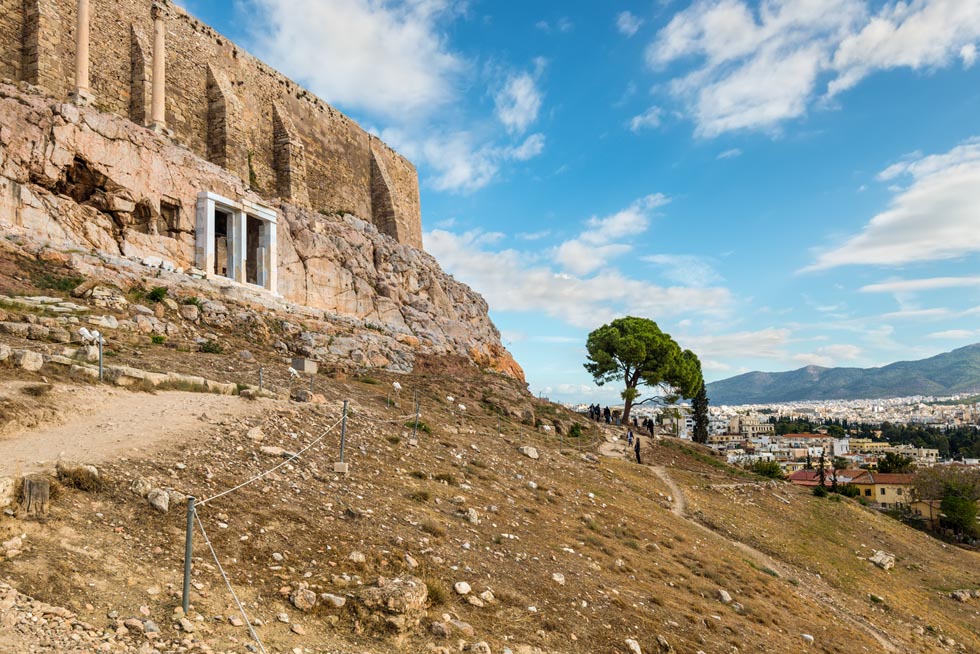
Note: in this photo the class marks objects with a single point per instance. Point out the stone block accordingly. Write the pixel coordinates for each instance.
(305, 366)
(341, 468)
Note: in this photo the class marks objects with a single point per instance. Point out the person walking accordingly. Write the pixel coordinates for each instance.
(607, 414)
(636, 450)
(629, 437)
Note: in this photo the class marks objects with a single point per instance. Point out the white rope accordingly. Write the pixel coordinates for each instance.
(263, 474)
(231, 590)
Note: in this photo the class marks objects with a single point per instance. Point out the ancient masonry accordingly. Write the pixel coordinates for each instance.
(154, 64)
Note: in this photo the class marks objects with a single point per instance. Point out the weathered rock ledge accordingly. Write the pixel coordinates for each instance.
(79, 181)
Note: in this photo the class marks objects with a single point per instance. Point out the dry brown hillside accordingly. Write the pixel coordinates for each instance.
(579, 552)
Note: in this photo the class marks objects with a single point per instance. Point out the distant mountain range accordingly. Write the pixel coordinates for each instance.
(944, 374)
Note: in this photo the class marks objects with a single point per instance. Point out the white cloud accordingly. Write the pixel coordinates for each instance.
(917, 314)
(389, 58)
(563, 25)
(829, 356)
(954, 334)
(519, 100)
(511, 282)
(596, 246)
(532, 146)
(936, 217)
(762, 344)
(648, 119)
(730, 154)
(755, 68)
(968, 53)
(920, 34)
(628, 23)
(461, 163)
(685, 269)
(534, 236)
(917, 285)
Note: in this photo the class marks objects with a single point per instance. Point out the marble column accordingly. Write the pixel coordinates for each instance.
(158, 108)
(82, 93)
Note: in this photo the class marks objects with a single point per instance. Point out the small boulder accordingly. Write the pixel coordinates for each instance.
(159, 499)
(141, 486)
(335, 601)
(357, 557)
(724, 596)
(883, 560)
(303, 599)
(634, 646)
(529, 452)
(558, 578)
(462, 588)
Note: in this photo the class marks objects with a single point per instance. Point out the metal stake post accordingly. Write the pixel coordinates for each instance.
(415, 429)
(260, 378)
(187, 554)
(100, 360)
(311, 383)
(343, 433)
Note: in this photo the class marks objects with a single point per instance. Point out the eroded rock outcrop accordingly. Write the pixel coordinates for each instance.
(76, 179)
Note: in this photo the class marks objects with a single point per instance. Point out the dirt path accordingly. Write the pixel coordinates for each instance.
(824, 595)
(93, 424)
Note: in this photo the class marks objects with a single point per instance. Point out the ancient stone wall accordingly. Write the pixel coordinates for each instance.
(221, 104)
(11, 31)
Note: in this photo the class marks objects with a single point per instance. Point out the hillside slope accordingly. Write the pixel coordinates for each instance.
(578, 554)
(944, 374)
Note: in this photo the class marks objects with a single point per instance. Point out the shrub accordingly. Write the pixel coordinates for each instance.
(420, 496)
(438, 594)
(158, 339)
(769, 469)
(81, 478)
(158, 294)
(575, 431)
(424, 428)
(368, 380)
(446, 477)
(57, 282)
(433, 529)
(37, 390)
(848, 490)
(418, 474)
(212, 347)
(394, 440)
(196, 301)
(820, 491)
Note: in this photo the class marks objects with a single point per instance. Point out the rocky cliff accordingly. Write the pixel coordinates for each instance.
(114, 194)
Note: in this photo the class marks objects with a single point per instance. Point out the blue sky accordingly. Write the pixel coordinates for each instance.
(777, 184)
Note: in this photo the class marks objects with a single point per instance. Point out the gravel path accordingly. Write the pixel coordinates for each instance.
(93, 424)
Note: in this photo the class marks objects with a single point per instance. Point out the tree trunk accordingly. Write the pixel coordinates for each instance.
(627, 407)
(35, 494)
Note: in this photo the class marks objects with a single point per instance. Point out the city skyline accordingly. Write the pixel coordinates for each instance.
(776, 184)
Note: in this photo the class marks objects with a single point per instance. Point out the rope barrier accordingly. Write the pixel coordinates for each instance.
(231, 590)
(271, 470)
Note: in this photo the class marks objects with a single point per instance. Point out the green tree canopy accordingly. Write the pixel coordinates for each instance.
(893, 462)
(635, 351)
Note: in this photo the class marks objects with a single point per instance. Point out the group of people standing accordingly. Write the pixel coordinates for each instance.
(597, 413)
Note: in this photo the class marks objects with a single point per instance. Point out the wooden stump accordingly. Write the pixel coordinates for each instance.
(35, 495)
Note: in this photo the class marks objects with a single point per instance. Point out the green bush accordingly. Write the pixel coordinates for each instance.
(424, 428)
(158, 294)
(770, 469)
(848, 490)
(212, 347)
(196, 301)
(158, 339)
(820, 491)
(575, 431)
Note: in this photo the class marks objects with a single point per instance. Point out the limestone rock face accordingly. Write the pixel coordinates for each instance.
(75, 179)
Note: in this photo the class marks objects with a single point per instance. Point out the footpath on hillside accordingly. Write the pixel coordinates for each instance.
(94, 424)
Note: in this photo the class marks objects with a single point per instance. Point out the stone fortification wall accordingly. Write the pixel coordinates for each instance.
(221, 103)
